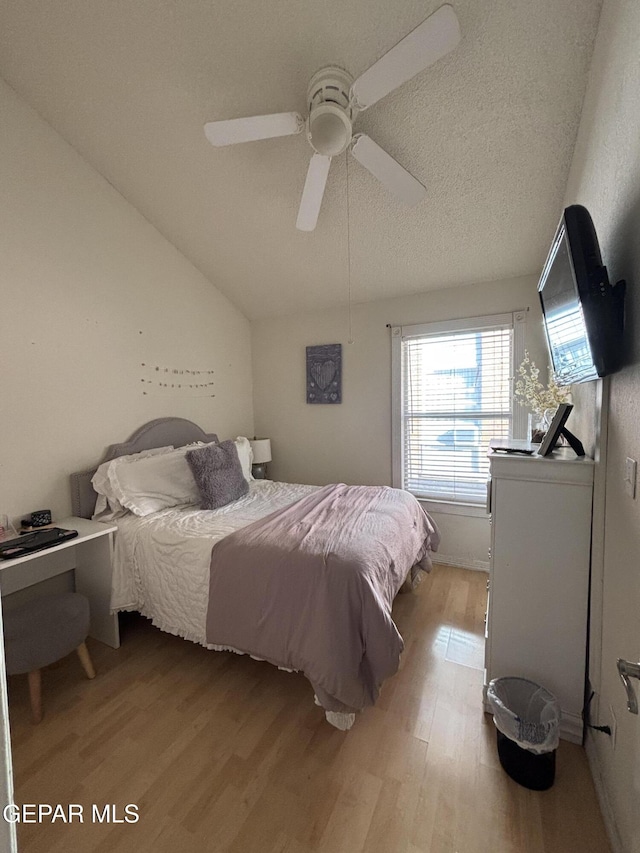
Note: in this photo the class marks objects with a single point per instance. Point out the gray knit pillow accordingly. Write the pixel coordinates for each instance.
(218, 474)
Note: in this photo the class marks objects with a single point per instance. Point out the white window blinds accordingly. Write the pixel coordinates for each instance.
(456, 394)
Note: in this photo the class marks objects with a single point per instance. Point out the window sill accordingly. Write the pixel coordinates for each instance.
(448, 508)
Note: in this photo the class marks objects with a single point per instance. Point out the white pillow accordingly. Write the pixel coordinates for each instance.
(245, 454)
(155, 483)
(107, 504)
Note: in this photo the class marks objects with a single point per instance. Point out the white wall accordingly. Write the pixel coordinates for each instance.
(89, 291)
(605, 177)
(351, 442)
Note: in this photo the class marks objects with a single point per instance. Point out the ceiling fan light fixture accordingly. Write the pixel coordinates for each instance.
(334, 100)
(329, 130)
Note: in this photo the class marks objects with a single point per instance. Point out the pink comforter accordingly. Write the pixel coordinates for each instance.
(310, 587)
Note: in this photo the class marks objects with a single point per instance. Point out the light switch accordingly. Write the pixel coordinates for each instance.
(630, 467)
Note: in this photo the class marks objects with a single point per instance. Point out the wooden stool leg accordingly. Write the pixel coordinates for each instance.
(35, 694)
(85, 660)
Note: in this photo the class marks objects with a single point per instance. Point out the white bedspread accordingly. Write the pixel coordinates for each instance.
(161, 561)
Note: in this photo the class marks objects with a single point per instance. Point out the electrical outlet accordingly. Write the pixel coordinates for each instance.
(614, 727)
(630, 468)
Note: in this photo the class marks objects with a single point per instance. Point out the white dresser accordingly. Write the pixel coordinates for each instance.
(539, 575)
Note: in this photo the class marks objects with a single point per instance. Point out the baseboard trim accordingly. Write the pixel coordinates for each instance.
(571, 727)
(461, 563)
(603, 797)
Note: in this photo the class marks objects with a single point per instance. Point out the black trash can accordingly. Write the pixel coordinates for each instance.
(527, 719)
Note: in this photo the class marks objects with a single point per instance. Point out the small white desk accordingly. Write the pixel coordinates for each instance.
(89, 555)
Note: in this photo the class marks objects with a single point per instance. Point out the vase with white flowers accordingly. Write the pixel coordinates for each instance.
(541, 400)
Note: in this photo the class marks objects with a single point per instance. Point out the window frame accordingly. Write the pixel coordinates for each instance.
(516, 320)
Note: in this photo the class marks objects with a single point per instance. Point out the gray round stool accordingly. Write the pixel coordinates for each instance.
(41, 632)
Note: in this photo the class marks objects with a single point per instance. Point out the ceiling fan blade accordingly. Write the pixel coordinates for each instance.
(235, 130)
(428, 43)
(313, 192)
(387, 170)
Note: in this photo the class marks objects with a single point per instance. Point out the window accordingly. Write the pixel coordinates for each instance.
(452, 393)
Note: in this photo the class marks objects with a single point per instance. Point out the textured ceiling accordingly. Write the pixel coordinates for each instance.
(489, 130)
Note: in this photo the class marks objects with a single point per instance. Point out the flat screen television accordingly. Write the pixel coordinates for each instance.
(583, 314)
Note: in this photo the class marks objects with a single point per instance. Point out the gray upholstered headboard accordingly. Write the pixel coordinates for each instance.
(158, 433)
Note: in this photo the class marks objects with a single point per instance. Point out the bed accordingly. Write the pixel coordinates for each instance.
(301, 576)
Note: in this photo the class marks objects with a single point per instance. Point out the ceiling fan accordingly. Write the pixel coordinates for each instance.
(334, 100)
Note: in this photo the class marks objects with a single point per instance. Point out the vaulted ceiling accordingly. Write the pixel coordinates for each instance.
(489, 130)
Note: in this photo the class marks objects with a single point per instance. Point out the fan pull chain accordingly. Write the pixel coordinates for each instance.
(350, 338)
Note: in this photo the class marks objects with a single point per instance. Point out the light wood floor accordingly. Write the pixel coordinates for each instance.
(224, 753)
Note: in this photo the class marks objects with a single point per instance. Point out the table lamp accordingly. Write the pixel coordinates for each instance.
(261, 448)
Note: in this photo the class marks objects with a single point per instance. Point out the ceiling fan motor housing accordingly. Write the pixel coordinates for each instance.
(330, 122)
